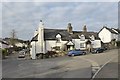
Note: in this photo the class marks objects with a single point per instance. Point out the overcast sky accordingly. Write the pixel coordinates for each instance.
(24, 17)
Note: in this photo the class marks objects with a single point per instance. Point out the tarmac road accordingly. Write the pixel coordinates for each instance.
(59, 67)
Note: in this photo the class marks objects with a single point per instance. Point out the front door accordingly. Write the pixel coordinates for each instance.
(70, 47)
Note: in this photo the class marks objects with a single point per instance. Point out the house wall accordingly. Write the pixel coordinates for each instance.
(77, 43)
(0, 45)
(96, 44)
(19, 44)
(33, 50)
(40, 43)
(105, 35)
(114, 36)
(118, 37)
(52, 43)
(49, 44)
(3, 46)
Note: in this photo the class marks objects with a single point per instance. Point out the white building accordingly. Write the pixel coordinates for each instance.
(3, 44)
(19, 44)
(108, 34)
(61, 39)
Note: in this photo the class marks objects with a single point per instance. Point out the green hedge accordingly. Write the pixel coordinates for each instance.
(4, 53)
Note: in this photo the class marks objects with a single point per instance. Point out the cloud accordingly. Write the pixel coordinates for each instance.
(24, 17)
(59, 1)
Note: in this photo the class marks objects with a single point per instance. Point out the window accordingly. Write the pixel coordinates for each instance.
(82, 45)
(82, 37)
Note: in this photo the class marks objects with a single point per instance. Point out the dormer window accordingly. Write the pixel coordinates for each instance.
(92, 37)
(82, 37)
(58, 38)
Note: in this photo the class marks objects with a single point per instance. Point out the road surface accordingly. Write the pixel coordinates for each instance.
(59, 67)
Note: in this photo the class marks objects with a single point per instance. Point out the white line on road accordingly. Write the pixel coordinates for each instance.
(102, 67)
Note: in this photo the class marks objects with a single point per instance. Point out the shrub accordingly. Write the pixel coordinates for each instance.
(4, 53)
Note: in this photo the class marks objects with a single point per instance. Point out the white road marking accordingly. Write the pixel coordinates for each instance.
(102, 67)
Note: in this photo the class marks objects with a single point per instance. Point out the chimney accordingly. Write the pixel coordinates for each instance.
(84, 28)
(69, 28)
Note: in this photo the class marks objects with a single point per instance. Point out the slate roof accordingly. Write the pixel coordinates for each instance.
(112, 31)
(87, 35)
(50, 34)
(3, 42)
(118, 30)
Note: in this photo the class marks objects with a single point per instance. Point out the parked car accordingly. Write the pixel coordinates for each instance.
(76, 52)
(21, 54)
(104, 48)
(98, 50)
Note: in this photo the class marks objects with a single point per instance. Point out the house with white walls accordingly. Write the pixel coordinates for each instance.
(108, 34)
(62, 39)
(3, 44)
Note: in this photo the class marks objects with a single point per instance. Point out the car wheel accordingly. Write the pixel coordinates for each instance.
(84, 53)
(97, 52)
(69, 55)
(73, 55)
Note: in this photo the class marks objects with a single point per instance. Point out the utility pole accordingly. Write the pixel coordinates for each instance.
(12, 38)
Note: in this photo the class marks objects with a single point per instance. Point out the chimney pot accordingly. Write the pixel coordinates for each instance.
(69, 28)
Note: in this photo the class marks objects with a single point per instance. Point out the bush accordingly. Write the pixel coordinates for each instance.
(4, 53)
(51, 54)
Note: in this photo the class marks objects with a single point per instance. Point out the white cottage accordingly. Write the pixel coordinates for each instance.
(3, 44)
(108, 34)
(62, 39)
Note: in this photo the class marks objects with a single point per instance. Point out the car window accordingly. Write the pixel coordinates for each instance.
(21, 52)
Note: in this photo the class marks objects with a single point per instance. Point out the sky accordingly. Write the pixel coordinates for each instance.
(24, 17)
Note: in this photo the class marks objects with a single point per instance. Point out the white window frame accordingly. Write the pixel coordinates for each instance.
(82, 45)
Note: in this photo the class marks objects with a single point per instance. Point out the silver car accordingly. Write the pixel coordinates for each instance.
(21, 54)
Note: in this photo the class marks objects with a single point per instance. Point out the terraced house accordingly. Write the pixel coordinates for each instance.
(109, 36)
(62, 39)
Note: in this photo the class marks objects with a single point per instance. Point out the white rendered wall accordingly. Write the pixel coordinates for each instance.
(32, 50)
(77, 43)
(52, 43)
(114, 36)
(105, 36)
(3, 45)
(41, 42)
(96, 44)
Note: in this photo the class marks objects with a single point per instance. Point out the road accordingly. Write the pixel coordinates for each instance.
(109, 70)
(59, 67)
